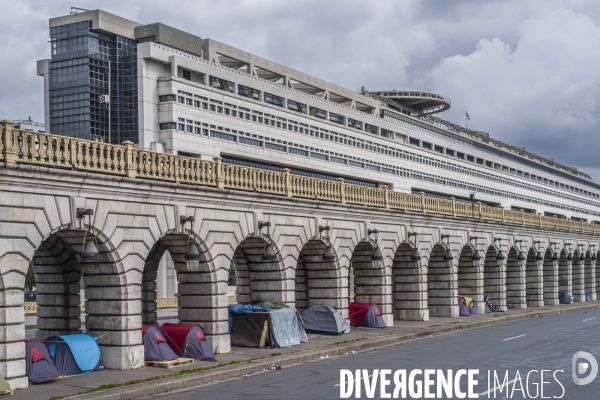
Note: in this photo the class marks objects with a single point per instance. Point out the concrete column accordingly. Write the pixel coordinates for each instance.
(442, 284)
(149, 295)
(565, 277)
(550, 279)
(470, 277)
(409, 287)
(578, 279)
(301, 287)
(534, 280)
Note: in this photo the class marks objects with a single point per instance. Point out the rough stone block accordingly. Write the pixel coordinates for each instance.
(128, 357)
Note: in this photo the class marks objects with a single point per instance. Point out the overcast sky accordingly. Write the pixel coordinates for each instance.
(528, 72)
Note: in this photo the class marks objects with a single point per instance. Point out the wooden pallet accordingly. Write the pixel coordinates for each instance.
(170, 364)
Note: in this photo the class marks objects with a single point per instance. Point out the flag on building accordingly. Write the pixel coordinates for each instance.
(467, 114)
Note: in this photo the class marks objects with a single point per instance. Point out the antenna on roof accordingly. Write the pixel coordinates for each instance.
(77, 9)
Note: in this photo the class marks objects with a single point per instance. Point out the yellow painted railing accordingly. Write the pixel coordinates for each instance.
(31, 307)
(18, 146)
(167, 302)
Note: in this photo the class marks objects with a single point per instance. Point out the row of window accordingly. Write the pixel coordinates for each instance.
(260, 117)
(246, 138)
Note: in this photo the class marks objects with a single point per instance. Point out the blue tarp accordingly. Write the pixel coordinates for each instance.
(284, 324)
(84, 348)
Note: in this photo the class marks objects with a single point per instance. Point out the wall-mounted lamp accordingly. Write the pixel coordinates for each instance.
(521, 256)
(570, 256)
(415, 256)
(192, 256)
(448, 256)
(539, 256)
(476, 256)
(593, 252)
(268, 253)
(376, 257)
(328, 254)
(89, 249)
(500, 256)
(555, 256)
(581, 253)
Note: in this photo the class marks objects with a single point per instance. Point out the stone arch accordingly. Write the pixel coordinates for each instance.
(494, 277)
(590, 275)
(515, 280)
(266, 280)
(565, 279)
(442, 284)
(370, 284)
(534, 280)
(550, 268)
(318, 281)
(409, 285)
(578, 274)
(470, 276)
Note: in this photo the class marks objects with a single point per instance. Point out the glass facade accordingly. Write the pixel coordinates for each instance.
(82, 62)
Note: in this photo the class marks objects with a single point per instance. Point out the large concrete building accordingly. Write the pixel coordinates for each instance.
(174, 92)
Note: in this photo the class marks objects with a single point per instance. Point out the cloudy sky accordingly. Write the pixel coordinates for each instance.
(528, 72)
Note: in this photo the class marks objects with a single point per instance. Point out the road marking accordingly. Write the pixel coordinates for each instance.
(511, 338)
(352, 380)
(589, 319)
(491, 390)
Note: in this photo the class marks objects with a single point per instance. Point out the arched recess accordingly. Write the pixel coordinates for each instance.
(470, 276)
(318, 281)
(371, 285)
(257, 279)
(534, 270)
(565, 278)
(442, 284)
(202, 293)
(494, 277)
(409, 286)
(590, 275)
(515, 280)
(578, 274)
(550, 277)
(112, 291)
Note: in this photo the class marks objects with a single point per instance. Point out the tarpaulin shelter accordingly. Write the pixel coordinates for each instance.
(324, 320)
(187, 340)
(4, 386)
(39, 366)
(250, 330)
(365, 315)
(74, 354)
(463, 311)
(155, 344)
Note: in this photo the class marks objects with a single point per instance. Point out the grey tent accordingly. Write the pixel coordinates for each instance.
(564, 297)
(463, 311)
(365, 315)
(324, 320)
(39, 366)
(155, 344)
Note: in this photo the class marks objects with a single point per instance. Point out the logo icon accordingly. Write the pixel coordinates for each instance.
(580, 367)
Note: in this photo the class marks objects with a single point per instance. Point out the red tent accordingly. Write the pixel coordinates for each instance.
(187, 340)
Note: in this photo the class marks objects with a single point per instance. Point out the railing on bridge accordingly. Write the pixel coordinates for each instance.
(25, 147)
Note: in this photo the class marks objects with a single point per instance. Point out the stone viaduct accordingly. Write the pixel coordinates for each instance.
(138, 197)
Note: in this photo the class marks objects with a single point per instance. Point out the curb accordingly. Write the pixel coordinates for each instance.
(159, 386)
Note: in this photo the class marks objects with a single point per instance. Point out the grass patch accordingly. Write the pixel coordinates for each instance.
(276, 354)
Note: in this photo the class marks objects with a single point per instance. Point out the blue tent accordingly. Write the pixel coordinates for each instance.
(75, 354)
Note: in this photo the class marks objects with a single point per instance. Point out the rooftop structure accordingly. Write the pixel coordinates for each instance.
(175, 92)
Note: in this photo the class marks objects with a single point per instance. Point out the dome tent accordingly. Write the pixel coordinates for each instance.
(365, 315)
(74, 354)
(155, 344)
(39, 365)
(324, 320)
(187, 340)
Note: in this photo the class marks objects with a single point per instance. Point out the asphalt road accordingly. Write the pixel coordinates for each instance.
(547, 343)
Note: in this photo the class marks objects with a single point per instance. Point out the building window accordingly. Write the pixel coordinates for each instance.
(182, 127)
(275, 100)
(439, 149)
(316, 112)
(414, 142)
(167, 125)
(248, 92)
(223, 136)
(168, 97)
(187, 74)
(352, 123)
(372, 129)
(427, 145)
(299, 107)
(221, 84)
(338, 119)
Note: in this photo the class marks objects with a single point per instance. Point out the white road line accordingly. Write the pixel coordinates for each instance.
(352, 380)
(511, 338)
(589, 319)
(492, 390)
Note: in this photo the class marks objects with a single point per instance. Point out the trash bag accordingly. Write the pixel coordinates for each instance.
(492, 307)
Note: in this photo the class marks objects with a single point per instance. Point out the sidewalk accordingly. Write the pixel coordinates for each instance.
(317, 346)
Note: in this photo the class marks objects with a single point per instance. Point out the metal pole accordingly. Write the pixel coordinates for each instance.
(109, 99)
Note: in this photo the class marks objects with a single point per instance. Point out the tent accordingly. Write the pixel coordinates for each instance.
(4, 386)
(463, 311)
(187, 340)
(365, 315)
(155, 344)
(38, 363)
(250, 330)
(324, 320)
(74, 354)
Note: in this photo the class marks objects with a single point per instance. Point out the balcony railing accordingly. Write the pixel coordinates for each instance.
(24, 147)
